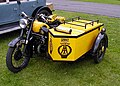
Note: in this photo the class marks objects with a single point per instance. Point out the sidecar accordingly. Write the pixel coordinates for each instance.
(71, 40)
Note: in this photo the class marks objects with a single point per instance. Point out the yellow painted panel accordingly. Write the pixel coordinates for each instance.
(85, 43)
(55, 45)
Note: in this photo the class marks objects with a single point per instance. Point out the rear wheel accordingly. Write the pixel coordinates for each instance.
(43, 11)
(16, 59)
(100, 52)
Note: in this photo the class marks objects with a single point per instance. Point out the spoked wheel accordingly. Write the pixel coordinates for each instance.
(100, 52)
(16, 59)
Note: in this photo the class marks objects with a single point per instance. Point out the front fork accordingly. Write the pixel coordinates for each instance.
(26, 39)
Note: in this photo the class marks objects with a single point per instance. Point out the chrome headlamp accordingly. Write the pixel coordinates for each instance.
(23, 23)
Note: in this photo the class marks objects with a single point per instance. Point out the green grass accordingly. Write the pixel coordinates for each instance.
(44, 72)
(102, 1)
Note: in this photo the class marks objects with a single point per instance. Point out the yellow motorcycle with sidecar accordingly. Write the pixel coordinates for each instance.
(62, 40)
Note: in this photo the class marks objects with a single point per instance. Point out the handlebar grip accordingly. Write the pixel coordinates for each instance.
(43, 17)
(23, 14)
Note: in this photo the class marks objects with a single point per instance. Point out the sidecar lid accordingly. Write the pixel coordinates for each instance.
(78, 27)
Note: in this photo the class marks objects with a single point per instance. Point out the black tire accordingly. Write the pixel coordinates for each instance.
(15, 54)
(45, 12)
(100, 52)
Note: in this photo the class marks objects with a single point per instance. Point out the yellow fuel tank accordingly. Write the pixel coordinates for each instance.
(38, 25)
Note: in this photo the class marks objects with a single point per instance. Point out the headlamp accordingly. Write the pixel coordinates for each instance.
(23, 23)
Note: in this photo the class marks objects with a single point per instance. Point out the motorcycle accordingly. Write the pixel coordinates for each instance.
(61, 40)
(33, 38)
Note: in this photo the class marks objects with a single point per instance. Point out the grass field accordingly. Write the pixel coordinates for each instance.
(44, 72)
(103, 1)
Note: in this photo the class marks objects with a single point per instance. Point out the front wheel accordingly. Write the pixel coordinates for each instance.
(16, 59)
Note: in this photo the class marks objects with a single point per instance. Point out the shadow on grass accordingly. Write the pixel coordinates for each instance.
(61, 65)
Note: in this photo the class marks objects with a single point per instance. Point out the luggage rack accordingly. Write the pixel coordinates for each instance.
(78, 18)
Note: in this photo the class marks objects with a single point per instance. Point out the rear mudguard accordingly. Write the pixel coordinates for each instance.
(45, 8)
(14, 41)
(100, 36)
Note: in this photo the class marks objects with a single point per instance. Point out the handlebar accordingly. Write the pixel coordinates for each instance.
(43, 17)
(23, 14)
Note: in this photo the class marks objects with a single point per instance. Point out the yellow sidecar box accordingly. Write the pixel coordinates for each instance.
(71, 40)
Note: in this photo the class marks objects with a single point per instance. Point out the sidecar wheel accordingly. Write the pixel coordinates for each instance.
(15, 61)
(100, 52)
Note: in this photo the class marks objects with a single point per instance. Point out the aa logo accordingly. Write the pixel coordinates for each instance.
(64, 50)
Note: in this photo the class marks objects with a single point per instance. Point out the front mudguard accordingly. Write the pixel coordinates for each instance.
(28, 44)
(101, 35)
(14, 42)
